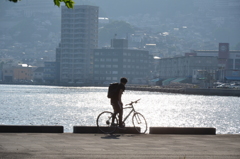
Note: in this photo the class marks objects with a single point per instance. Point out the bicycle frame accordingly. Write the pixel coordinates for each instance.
(139, 122)
(133, 110)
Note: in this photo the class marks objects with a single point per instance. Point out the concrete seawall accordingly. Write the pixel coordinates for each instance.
(182, 130)
(196, 91)
(94, 130)
(30, 129)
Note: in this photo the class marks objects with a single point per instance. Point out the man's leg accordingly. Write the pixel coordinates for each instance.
(120, 111)
(114, 117)
(114, 112)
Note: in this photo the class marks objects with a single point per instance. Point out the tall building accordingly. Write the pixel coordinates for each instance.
(79, 36)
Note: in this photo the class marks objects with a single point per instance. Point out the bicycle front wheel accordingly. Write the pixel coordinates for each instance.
(139, 123)
(104, 122)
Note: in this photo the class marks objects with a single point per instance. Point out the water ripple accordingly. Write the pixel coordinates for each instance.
(70, 106)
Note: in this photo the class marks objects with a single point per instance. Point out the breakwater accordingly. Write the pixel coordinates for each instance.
(94, 129)
(196, 91)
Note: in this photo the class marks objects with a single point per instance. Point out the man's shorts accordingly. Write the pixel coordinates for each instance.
(117, 106)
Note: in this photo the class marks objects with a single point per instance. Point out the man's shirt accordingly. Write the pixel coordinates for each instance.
(115, 97)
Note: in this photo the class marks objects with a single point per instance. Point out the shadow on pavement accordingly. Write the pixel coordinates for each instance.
(111, 136)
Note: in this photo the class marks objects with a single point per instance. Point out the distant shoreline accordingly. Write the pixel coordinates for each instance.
(193, 91)
(190, 91)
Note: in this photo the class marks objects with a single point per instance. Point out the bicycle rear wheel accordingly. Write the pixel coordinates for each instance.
(139, 123)
(104, 122)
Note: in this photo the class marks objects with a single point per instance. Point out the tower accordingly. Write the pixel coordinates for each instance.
(79, 36)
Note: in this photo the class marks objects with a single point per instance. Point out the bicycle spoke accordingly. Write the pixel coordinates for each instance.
(139, 123)
(104, 122)
(105, 125)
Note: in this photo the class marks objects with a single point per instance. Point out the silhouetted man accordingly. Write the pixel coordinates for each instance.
(116, 101)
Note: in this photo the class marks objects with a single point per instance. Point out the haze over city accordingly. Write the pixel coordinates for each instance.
(191, 24)
(30, 30)
(175, 65)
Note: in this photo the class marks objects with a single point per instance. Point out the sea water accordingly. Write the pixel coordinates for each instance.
(80, 106)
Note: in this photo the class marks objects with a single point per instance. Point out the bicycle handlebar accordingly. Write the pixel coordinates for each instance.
(133, 102)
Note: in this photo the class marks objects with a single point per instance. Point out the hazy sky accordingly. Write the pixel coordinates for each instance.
(162, 9)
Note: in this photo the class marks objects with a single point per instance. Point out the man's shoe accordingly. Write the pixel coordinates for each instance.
(121, 127)
(113, 125)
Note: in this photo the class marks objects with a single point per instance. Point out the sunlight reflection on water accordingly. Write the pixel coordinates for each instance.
(70, 106)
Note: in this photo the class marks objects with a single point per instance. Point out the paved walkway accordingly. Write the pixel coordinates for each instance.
(69, 145)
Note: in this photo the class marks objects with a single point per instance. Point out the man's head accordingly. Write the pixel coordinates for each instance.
(123, 80)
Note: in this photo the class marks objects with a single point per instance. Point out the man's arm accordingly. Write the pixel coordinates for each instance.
(120, 96)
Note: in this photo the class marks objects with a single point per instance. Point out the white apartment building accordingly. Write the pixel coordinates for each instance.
(79, 36)
(184, 67)
(222, 64)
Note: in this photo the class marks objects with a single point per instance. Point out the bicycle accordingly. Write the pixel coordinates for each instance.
(105, 125)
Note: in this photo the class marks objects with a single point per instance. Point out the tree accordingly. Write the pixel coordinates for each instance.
(68, 3)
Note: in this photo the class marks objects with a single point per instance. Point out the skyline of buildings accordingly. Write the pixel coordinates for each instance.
(79, 60)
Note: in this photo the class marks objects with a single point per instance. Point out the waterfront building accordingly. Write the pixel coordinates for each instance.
(79, 36)
(17, 73)
(38, 75)
(7, 73)
(184, 67)
(0, 75)
(51, 72)
(22, 73)
(200, 65)
(228, 62)
(110, 64)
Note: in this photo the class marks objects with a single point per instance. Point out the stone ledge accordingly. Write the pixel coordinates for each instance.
(30, 129)
(94, 129)
(183, 130)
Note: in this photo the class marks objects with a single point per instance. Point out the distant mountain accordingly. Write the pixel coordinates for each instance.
(117, 8)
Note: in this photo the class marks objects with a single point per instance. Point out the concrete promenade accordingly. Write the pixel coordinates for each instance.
(73, 145)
